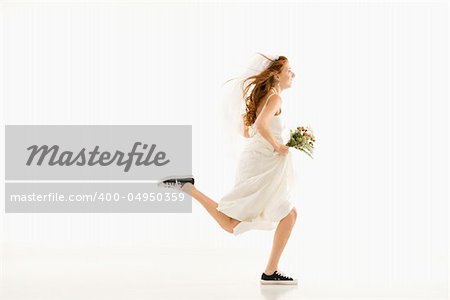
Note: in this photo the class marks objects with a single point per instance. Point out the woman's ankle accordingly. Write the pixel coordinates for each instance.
(269, 271)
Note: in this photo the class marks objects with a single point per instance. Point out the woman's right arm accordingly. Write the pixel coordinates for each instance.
(262, 122)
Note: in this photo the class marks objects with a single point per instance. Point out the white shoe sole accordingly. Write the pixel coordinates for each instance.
(279, 282)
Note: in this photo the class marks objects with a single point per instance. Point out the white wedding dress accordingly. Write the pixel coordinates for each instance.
(261, 195)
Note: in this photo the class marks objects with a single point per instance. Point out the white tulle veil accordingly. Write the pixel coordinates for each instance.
(233, 103)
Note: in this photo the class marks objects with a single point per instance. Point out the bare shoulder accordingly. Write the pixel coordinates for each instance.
(272, 106)
(274, 100)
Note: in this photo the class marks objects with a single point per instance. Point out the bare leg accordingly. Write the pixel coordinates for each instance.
(280, 239)
(224, 221)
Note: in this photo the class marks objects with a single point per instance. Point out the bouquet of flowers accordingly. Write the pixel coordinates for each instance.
(302, 138)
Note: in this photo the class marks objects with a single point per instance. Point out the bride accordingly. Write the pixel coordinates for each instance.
(261, 196)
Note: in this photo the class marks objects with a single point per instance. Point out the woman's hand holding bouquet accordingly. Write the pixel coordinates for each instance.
(302, 138)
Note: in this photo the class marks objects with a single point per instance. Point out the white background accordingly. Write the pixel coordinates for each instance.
(371, 80)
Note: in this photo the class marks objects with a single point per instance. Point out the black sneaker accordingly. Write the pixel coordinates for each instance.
(277, 278)
(181, 183)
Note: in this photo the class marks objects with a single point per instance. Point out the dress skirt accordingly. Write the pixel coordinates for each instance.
(262, 192)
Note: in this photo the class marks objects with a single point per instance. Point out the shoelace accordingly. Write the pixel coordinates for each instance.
(282, 274)
(173, 184)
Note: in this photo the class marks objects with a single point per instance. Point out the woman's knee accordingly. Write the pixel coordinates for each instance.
(293, 214)
(232, 225)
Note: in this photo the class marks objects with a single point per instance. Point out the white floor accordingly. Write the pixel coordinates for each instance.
(147, 273)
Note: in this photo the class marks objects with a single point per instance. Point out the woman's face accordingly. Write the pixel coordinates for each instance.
(286, 76)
